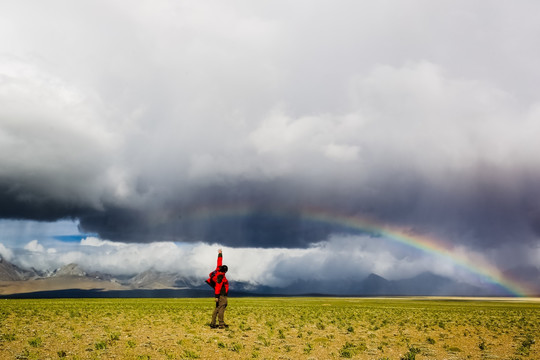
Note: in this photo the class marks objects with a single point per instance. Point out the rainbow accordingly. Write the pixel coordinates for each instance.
(427, 244)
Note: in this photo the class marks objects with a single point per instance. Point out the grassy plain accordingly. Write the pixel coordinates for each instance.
(270, 328)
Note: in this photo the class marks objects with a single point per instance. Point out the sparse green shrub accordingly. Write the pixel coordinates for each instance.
(24, 355)
(35, 342)
(349, 350)
(411, 354)
(482, 345)
(100, 345)
(528, 342)
(8, 337)
(525, 347)
(190, 354)
(270, 324)
(263, 340)
(236, 347)
(244, 327)
(442, 325)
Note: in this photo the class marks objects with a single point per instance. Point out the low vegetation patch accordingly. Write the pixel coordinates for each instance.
(270, 328)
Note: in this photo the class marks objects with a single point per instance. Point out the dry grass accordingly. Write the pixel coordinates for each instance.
(270, 328)
(56, 283)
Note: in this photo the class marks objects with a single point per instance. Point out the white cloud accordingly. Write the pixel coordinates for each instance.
(34, 246)
(54, 130)
(94, 241)
(337, 258)
(438, 122)
(247, 92)
(6, 252)
(339, 152)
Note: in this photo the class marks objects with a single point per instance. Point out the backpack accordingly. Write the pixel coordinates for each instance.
(210, 281)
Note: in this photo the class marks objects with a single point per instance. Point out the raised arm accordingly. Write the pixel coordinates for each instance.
(219, 259)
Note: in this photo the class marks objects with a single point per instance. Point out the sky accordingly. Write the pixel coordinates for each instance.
(131, 132)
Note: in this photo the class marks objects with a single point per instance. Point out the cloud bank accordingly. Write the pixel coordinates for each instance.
(358, 255)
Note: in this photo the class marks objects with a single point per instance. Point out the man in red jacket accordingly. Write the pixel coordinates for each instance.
(221, 291)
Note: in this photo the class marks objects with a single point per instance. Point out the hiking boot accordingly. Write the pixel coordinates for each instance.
(223, 326)
(213, 326)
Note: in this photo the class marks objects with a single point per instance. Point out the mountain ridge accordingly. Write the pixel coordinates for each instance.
(15, 280)
(11, 272)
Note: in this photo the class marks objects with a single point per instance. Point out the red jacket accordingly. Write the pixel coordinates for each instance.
(222, 284)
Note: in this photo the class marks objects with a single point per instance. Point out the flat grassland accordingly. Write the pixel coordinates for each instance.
(270, 328)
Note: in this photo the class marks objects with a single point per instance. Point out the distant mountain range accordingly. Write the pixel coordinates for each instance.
(72, 281)
(11, 272)
(425, 284)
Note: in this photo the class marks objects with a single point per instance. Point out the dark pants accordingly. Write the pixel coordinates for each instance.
(219, 311)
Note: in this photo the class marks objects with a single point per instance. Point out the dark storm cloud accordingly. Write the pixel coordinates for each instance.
(479, 211)
(273, 218)
(386, 111)
(257, 229)
(484, 207)
(16, 205)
